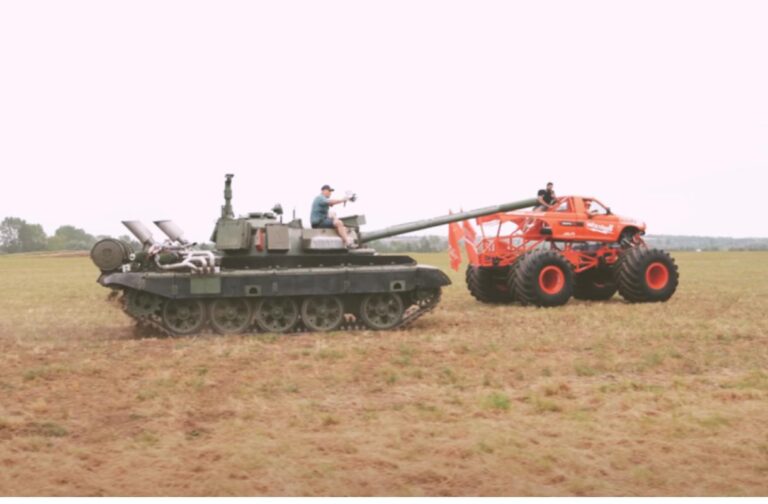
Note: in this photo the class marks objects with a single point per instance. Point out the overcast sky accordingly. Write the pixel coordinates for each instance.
(136, 110)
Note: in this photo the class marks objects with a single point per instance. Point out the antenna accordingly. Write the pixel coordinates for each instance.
(226, 210)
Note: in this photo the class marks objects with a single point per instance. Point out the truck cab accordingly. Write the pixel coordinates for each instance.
(581, 218)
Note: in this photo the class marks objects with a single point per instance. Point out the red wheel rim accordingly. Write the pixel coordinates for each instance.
(551, 280)
(657, 275)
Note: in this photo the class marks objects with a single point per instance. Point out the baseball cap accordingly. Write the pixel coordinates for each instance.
(327, 187)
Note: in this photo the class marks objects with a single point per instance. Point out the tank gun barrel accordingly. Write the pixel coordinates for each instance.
(445, 219)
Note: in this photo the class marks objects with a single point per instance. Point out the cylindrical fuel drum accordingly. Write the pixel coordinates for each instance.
(109, 254)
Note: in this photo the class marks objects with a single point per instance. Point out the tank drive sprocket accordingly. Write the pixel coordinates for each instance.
(141, 304)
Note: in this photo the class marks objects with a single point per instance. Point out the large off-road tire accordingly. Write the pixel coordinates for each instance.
(646, 275)
(511, 276)
(543, 278)
(487, 284)
(596, 284)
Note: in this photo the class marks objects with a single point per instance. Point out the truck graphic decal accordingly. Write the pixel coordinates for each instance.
(600, 228)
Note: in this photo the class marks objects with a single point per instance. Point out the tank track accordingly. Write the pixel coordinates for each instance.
(153, 322)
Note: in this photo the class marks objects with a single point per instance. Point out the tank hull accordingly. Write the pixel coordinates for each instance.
(337, 280)
(318, 298)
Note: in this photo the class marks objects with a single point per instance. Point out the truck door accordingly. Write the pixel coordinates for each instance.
(599, 224)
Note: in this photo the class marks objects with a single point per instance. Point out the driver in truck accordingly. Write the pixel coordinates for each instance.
(320, 217)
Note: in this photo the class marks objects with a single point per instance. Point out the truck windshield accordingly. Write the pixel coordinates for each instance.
(595, 208)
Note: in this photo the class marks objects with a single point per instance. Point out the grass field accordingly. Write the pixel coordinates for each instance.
(589, 399)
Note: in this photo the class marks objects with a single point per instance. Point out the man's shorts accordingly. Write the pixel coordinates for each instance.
(326, 223)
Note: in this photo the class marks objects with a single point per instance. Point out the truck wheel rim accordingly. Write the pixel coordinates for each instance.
(657, 276)
(551, 280)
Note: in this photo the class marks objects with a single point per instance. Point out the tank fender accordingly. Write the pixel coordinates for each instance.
(131, 280)
(428, 277)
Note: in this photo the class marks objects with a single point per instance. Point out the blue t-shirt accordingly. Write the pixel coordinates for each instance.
(319, 209)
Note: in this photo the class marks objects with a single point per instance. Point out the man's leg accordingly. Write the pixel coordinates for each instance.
(342, 231)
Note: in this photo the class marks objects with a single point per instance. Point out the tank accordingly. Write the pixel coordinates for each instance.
(267, 275)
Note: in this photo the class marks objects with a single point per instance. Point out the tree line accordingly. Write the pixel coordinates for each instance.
(401, 244)
(18, 235)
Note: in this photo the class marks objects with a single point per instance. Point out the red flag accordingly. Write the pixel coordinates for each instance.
(470, 242)
(454, 252)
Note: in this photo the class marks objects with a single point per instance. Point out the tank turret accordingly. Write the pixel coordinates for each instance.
(263, 233)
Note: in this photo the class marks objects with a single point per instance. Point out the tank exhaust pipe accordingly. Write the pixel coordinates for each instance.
(172, 231)
(141, 232)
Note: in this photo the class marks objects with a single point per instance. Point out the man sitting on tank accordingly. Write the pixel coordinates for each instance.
(320, 217)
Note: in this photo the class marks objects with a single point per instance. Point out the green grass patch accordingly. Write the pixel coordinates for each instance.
(329, 354)
(146, 438)
(497, 401)
(713, 421)
(583, 369)
(404, 357)
(541, 405)
(47, 429)
(757, 380)
(44, 373)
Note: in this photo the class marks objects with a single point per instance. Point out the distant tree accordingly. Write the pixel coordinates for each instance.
(135, 245)
(70, 238)
(32, 238)
(9, 234)
(16, 235)
(399, 245)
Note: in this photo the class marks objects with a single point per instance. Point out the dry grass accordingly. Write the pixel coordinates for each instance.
(589, 399)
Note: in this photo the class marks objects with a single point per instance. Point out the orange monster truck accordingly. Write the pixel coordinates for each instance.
(576, 247)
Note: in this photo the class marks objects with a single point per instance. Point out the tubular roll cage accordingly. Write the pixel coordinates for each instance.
(502, 249)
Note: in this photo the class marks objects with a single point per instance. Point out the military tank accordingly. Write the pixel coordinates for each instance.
(267, 275)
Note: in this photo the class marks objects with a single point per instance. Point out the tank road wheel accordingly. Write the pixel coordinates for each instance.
(142, 304)
(646, 275)
(322, 313)
(276, 314)
(596, 284)
(543, 278)
(484, 284)
(382, 311)
(230, 316)
(184, 316)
